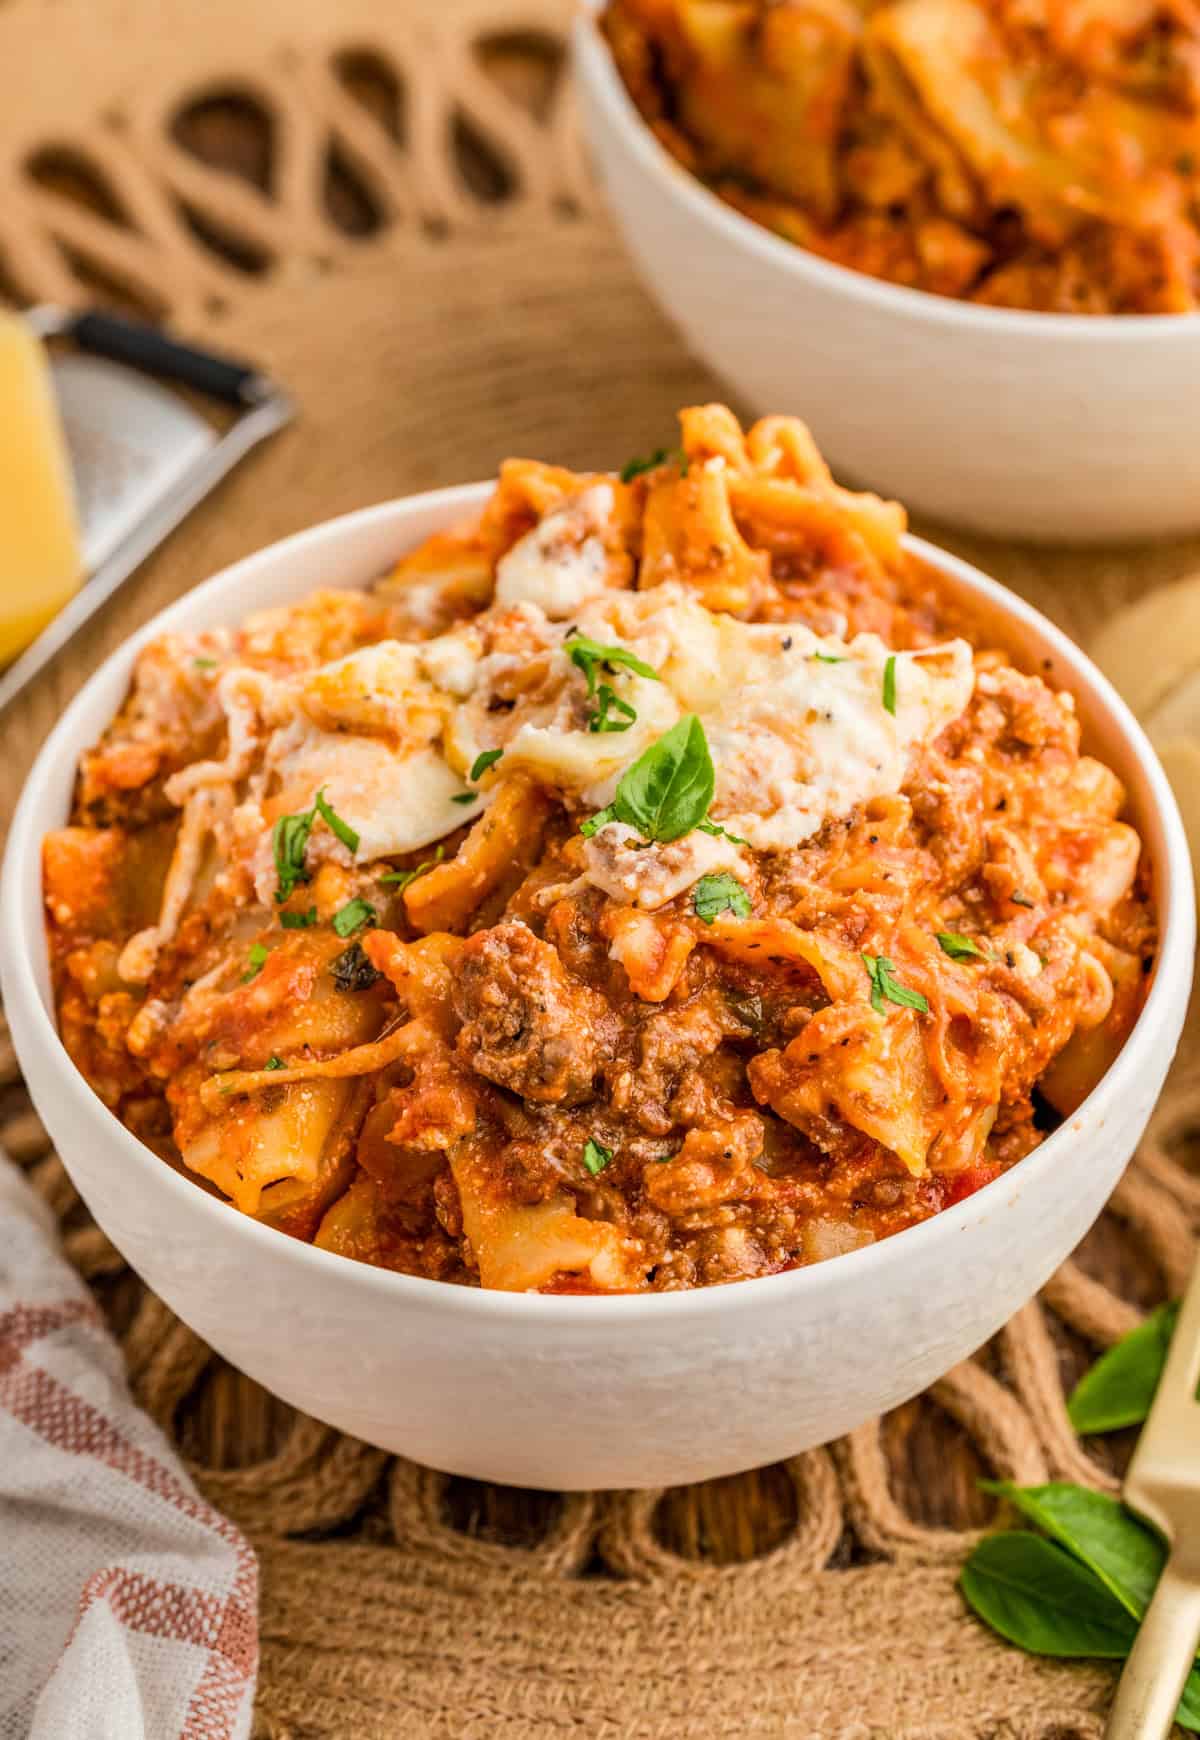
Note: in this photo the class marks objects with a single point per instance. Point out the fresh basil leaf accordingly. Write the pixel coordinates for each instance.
(485, 759)
(355, 915)
(959, 947)
(298, 920)
(352, 971)
(289, 842)
(1039, 1597)
(595, 1158)
(668, 789)
(400, 879)
(587, 655)
(343, 830)
(1118, 1390)
(889, 685)
(713, 895)
(257, 958)
(883, 985)
(1125, 1555)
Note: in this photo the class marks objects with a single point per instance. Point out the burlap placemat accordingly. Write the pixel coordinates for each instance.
(387, 207)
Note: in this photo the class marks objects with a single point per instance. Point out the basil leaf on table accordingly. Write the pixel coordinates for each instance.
(1188, 1713)
(1098, 1530)
(1038, 1596)
(1119, 1388)
(1016, 1582)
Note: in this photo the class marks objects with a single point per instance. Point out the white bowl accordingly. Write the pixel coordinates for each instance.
(1054, 427)
(569, 1392)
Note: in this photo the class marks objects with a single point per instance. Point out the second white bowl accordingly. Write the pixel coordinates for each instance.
(1058, 428)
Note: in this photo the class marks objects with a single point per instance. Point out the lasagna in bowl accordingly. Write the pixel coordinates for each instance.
(1007, 152)
(660, 881)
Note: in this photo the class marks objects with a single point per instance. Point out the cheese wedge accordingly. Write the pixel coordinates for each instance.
(40, 562)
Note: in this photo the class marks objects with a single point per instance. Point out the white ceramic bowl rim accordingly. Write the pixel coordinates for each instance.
(1175, 909)
(598, 65)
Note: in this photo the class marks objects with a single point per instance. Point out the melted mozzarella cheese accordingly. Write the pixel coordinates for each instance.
(562, 561)
(796, 723)
(396, 801)
(802, 739)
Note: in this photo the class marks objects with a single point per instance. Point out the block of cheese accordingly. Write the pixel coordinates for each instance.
(40, 561)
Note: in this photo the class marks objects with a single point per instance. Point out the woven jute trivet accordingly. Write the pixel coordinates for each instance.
(387, 207)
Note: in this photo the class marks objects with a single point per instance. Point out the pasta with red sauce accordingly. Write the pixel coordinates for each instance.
(652, 884)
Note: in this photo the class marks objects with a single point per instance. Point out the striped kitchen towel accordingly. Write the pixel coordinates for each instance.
(128, 1606)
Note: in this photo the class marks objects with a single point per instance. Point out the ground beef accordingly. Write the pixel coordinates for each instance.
(527, 1026)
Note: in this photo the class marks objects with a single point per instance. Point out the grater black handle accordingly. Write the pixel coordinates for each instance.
(144, 347)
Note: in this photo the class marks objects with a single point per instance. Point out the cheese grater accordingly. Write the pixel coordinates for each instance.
(142, 455)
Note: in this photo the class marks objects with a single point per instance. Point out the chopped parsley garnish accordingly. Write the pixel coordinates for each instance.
(609, 703)
(715, 828)
(714, 895)
(883, 985)
(889, 685)
(298, 920)
(257, 959)
(590, 656)
(485, 759)
(600, 820)
(595, 1158)
(635, 467)
(357, 914)
(587, 654)
(667, 791)
(464, 797)
(1019, 899)
(959, 947)
(352, 971)
(830, 659)
(274, 1062)
(289, 840)
(343, 830)
(401, 878)
(205, 664)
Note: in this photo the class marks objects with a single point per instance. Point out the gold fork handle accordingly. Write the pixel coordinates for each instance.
(1159, 1662)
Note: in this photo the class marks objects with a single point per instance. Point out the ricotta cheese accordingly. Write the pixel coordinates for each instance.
(562, 561)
